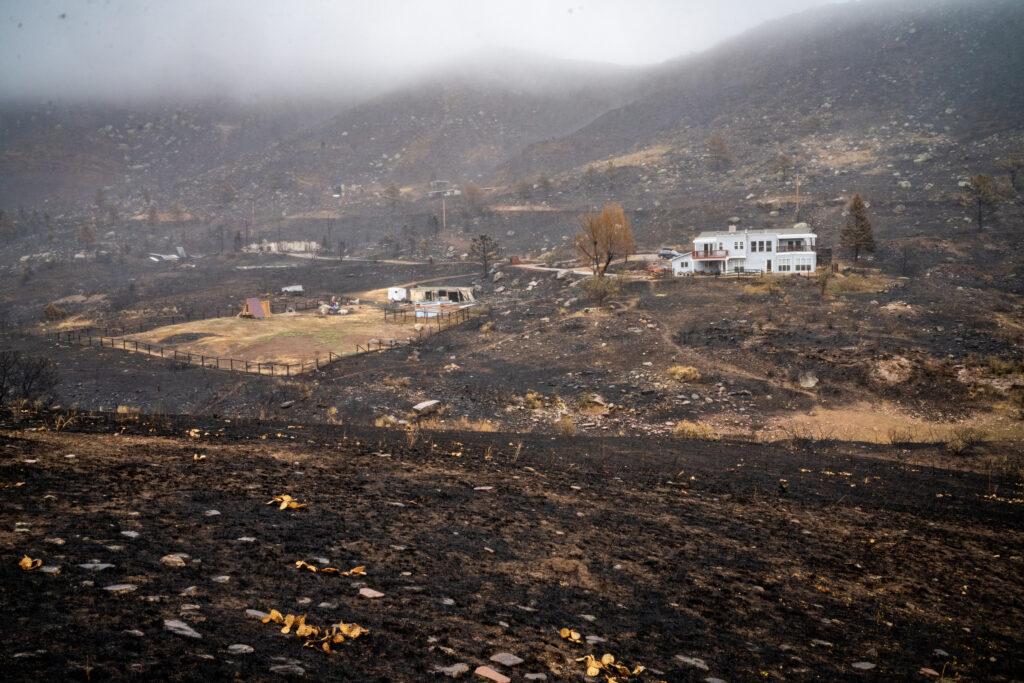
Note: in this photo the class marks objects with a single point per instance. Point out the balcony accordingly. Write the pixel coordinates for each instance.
(787, 248)
(710, 255)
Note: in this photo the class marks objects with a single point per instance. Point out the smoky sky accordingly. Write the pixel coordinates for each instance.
(130, 50)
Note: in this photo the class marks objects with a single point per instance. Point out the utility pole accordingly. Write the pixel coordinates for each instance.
(798, 196)
(444, 216)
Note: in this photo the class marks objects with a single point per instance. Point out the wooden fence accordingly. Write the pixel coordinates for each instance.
(91, 338)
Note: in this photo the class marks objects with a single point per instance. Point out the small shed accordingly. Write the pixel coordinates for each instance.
(255, 307)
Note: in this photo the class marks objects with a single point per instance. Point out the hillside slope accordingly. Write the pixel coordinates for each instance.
(950, 66)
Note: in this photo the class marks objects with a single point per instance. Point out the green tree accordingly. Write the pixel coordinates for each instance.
(857, 235)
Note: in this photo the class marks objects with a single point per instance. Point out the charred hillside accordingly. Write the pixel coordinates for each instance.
(953, 66)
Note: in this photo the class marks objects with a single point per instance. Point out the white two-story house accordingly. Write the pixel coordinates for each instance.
(784, 251)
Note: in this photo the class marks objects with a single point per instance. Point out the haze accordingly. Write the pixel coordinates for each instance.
(130, 51)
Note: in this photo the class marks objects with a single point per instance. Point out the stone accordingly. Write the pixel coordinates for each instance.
(180, 628)
(130, 534)
(536, 677)
(808, 380)
(211, 513)
(174, 560)
(370, 593)
(453, 671)
(255, 614)
(119, 588)
(498, 276)
(246, 539)
(96, 566)
(288, 670)
(426, 407)
(696, 662)
(507, 659)
(50, 569)
(221, 579)
(491, 675)
(820, 643)
(133, 632)
(447, 602)
(240, 649)
(863, 666)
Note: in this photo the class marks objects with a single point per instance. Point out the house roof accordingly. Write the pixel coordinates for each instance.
(789, 232)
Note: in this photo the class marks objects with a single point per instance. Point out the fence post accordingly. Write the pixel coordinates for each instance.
(287, 370)
(231, 362)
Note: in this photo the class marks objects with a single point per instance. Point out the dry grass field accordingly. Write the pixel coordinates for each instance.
(283, 338)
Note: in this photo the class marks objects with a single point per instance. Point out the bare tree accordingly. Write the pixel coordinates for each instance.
(473, 195)
(36, 378)
(1013, 164)
(392, 194)
(484, 248)
(857, 235)
(719, 151)
(983, 194)
(603, 237)
(8, 373)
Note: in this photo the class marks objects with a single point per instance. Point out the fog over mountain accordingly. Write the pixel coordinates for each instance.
(255, 49)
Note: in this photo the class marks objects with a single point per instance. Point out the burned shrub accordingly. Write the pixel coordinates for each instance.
(26, 379)
(54, 312)
(600, 290)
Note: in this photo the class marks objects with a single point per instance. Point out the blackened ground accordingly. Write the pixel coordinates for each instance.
(670, 548)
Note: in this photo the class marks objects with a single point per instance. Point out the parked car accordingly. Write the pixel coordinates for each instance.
(667, 253)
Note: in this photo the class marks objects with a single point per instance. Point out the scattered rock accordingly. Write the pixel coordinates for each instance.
(370, 593)
(134, 632)
(507, 659)
(221, 579)
(453, 671)
(808, 380)
(426, 407)
(240, 649)
(119, 588)
(288, 670)
(491, 675)
(96, 566)
(255, 614)
(180, 628)
(130, 534)
(211, 513)
(693, 661)
(174, 560)
(536, 677)
(863, 666)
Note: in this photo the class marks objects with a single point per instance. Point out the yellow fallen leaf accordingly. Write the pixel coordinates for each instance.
(607, 659)
(28, 564)
(356, 571)
(570, 635)
(302, 564)
(286, 502)
(197, 457)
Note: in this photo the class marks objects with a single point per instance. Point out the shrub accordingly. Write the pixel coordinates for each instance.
(684, 373)
(962, 440)
(695, 430)
(599, 290)
(565, 425)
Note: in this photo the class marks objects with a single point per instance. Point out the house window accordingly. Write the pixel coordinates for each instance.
(768, 245)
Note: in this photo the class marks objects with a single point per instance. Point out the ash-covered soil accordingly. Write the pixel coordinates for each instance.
(756, 562)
